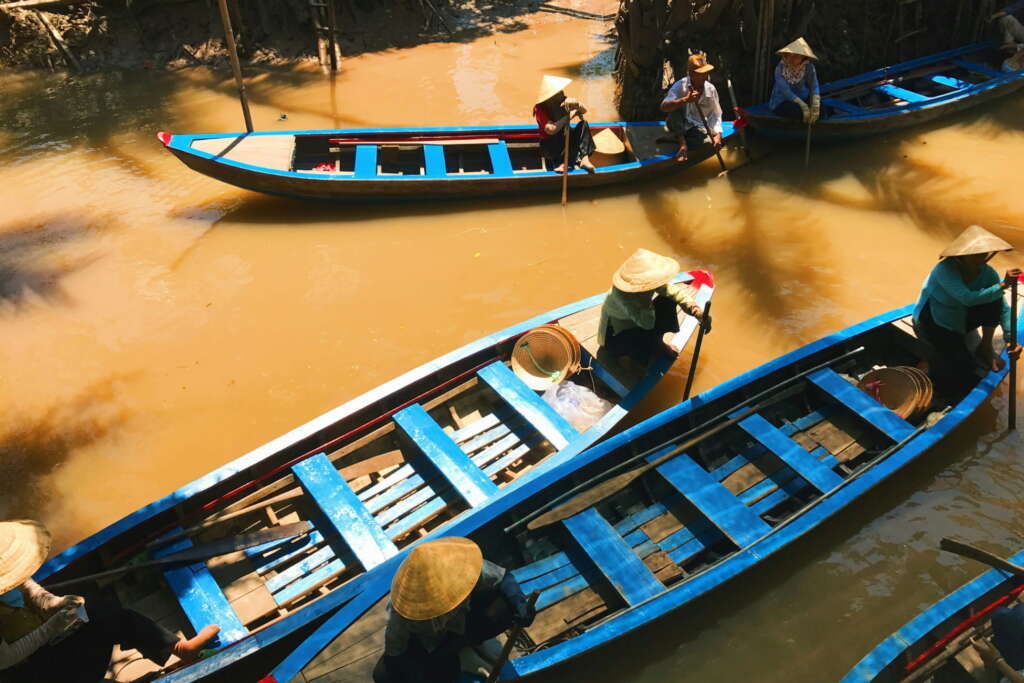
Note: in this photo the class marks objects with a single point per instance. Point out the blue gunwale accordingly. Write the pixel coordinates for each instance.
(684, 592)
(931, 618)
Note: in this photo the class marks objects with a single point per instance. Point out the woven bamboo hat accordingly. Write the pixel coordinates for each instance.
(645, 271)
(24, 545)
(545, 355)
(607, 142)
(799, 47)
(975, 240)
(899, 389)
(551, 86)
(436, 577)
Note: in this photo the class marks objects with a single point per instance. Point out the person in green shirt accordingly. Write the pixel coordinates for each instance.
(641, 307)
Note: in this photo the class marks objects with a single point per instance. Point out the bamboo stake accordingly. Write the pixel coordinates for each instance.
(332, 29)
(58, 42)
(229, 38)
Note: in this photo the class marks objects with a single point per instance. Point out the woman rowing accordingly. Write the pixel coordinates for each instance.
(66, 638)
(796, 94)
(961, 294)
(553, 112)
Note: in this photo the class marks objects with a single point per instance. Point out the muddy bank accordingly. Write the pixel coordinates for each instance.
(158, 34)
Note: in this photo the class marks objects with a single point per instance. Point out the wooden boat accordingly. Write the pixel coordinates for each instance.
(899, 96)
(794, 442)
(370, 477)
(377, 164)
(938, 644)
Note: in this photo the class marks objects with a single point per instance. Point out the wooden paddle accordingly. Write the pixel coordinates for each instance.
(202, 552)
(506, 650)
(1013, 360)
(991, 559)
(696, 351)
(707, 129)
(807, 147)
(565, 161)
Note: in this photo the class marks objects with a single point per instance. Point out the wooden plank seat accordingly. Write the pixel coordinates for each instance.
(790, 452)
(977, 68)
(873, 412)
(201, 598)
(613, 557)
(444, 454)
(900, 93)
(345, 513)
(950, 82)
(843, 106)
(522, 399)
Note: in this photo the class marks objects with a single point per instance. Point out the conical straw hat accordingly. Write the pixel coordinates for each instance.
(551, 86)
(607, 142)
(799, 47)
(975, 240)
(24, 545)
(436, 577)
(645, 271)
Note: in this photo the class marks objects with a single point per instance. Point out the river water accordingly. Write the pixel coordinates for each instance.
(157, 324)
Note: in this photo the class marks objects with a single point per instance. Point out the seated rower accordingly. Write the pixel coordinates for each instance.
(1007, 657)
(1009, 22)
(962, 293)
(795, 94)
(641, 306)
(553, 113)
(681, 104)
(1015, 60)
(445, 596)
(49, 640)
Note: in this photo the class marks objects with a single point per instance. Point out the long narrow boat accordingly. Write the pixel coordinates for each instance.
(794, 443)
(385, 164)
(369, 477)
(899, 96)
(938, 644)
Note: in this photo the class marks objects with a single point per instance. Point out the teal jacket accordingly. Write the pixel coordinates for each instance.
(950, 297)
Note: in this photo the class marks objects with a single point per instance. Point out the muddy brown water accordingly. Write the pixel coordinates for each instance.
(157, 324)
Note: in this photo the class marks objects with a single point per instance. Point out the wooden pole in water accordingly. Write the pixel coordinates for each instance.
(1013, 360)
(332, 31)
(229, 38)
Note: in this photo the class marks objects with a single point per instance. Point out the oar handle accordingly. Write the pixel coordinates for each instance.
(696, 350)
(975, 553)
(510, 643)
(1012, 412)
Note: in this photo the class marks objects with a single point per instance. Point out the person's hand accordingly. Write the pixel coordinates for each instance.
(1014, 351)
(716, 140)
(571, 103)
(986, 652)
(1011, 275)
(803, 108)
(815, 109)
(690, 96)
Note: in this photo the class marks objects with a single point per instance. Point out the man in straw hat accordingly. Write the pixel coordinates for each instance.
(641, 307)
(553, 111)
(65, 639)
(962, 293)
(795, 94)
(681, 102)
(1009, 23)
(445, 596)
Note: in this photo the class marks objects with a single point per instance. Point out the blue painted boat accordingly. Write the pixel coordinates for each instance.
(898, 96)
(387, 164)
(937, 644)
(371, 477)
(795, 442)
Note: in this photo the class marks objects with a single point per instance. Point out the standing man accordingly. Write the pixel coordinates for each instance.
(1010, 23)
(681, 102)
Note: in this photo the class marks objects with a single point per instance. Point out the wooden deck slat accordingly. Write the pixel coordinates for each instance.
(790, 453)
(977, 68)
(950, 82)
(883, 419)
(843, 105)
(555, 428)
(264, 151)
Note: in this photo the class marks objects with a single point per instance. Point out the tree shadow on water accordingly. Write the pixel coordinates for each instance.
(26, 272)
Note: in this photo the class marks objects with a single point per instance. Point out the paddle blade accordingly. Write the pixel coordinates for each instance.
(587, 499)
(991, 559)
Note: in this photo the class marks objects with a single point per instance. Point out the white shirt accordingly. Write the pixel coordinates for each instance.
(708, 103)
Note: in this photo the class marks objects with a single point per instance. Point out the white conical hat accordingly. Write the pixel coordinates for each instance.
(799, 47)
(23, 548)
(551, 86)
(975, 240)
(607, 142)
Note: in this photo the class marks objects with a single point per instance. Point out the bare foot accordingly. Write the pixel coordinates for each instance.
(673, 348)
(560, 168)
(681, 155)
(189, 650)
(989, 359)
(587, 166)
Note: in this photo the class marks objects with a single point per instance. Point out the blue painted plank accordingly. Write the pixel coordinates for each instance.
(843, 105)
(501, 164)
(496, 449)
(306, 581)
(609, 380)
(555, 428)
(433, 161)
(791, 453)
(460, 436)
(416, 517)
(626, 572)
(199, 595)
(299, 569)
(263, 563)
(883, 419)
(506, 460)
(713, 500)
(951, 82)
(343, 510)
(901, 93)
(366, 161)
(486, 438)
(977, 68)
(453, 464)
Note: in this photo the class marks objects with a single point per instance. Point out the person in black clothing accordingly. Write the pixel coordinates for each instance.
(1010, 25)
(553, 113)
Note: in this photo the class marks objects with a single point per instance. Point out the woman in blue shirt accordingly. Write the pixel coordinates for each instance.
(795, 94)
(961, 294)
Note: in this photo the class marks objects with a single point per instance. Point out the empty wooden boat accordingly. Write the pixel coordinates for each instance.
(939, 644)
(377, 164)
(735, 474)
(368, 478)
(899, 96)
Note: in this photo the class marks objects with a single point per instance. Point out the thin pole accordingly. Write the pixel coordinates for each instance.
(506, 650)
(807, 147)
(332, 28)
(565, 162)
(229, 37)
(1013, 359)
(696, 351)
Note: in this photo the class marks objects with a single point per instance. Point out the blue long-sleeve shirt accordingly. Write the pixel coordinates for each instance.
(1016, 9)
(949, 296)
(783, 90)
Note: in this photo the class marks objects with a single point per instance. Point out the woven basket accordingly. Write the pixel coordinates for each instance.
(545, 355)
(904, 390)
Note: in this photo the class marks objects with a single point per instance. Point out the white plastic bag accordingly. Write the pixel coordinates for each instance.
(577, 404)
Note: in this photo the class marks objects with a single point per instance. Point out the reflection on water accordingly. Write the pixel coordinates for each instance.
(157, 323)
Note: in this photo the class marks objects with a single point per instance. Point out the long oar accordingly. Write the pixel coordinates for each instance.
(506, 650)
(1013, 359)
(807, 147)
(202, 552)
(975, 553)
(770, 391)
(707, 128)
(735, 105)
(696, 351)
(565, 162)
